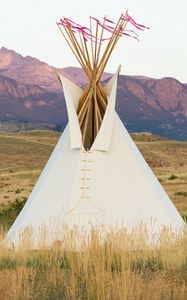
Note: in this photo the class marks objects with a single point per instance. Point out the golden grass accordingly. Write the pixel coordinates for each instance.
(98, 270)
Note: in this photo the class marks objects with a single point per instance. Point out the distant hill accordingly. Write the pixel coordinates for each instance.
(30, 92)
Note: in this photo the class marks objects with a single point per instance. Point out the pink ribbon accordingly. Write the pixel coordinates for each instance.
(133, 22)
(62, 22)
(107, 20)
(74, 23)
(75, 27)
(95, 19)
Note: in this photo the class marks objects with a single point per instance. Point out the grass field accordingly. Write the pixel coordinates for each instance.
(108, 271)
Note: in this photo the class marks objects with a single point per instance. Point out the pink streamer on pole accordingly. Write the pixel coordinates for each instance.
(140, 25)
(107, 20)
(62, 22)
(67, 22)
(86, 32)
(95, 19)
(89, 35)
(110, 29)
(72, 22)
(132, 32)
(133, 22)
(76, 28)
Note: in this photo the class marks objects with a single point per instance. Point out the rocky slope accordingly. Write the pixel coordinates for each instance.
(30, 92)
(30, 103)
(28, 70)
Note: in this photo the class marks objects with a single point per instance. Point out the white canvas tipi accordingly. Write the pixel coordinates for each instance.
(109, 184)
(95, 175)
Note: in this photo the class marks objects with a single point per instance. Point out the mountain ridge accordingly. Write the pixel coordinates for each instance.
(31, 92)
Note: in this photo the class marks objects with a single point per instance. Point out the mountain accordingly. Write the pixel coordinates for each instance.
(31, 70)
(155, 105)
(30, 92)
(30, 103)
(28, 70)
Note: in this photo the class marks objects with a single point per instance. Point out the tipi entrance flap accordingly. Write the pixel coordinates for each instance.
(72, 94)
(103, 138)
(109, 86)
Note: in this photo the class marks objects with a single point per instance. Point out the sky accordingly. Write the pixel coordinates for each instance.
(29, 27)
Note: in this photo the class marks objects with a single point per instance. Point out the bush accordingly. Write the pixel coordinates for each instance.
(184, 218)
(17, 191)
(10, 211)
(181, 194)
(172, 177)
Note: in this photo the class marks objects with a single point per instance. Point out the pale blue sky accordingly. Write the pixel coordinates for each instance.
(28, 27)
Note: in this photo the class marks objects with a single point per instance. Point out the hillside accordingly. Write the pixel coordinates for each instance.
(30, 92)
(23, 156)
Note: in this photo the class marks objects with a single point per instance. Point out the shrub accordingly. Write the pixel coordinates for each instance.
(181, 194)
(172, 177)
(10, 211)
(184, 218)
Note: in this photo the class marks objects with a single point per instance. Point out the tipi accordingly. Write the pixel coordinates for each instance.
(96, 174)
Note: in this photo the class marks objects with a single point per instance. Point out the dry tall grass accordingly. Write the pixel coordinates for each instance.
(113, 268)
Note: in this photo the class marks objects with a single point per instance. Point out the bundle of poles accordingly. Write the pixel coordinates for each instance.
(86, 44)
